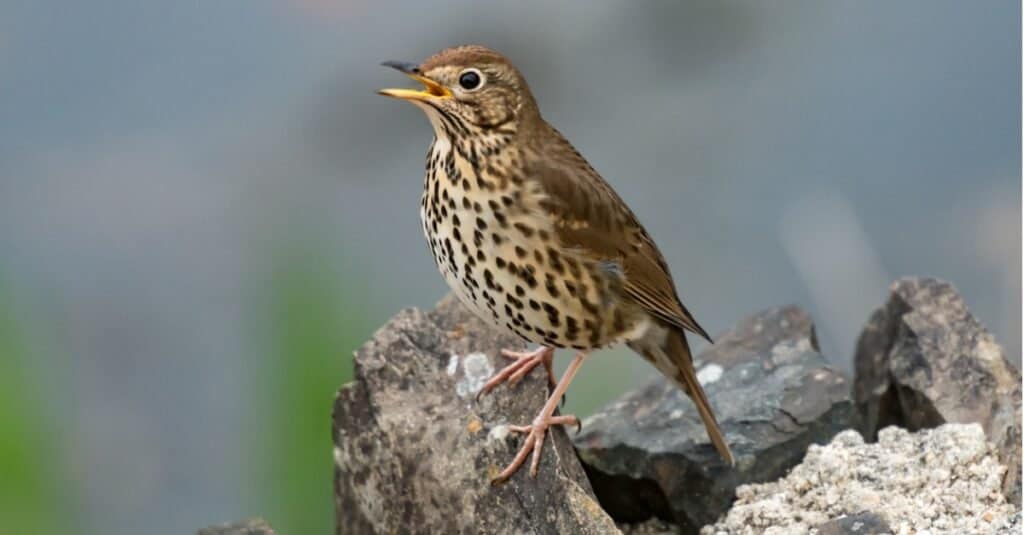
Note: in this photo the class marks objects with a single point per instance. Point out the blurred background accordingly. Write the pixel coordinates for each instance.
(204, 209)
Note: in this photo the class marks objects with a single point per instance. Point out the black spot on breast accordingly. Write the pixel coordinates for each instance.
(496, 239)
(520, 291)
(520, 252)
(500, 262)
(501, 219)
(572, 328)
(555, 261)
(493, 204)
(549, 285)
(524, 229)
(552, 312)
(481, 224)
(534, 304)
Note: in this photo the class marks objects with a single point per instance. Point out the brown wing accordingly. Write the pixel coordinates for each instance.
(592, 218)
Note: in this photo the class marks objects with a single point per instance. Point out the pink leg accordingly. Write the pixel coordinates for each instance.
(524, 363)
(535, 432)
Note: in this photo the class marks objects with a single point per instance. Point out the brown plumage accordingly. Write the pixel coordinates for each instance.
(530, 237)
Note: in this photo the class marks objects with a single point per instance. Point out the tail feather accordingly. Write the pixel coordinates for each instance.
(678, 351)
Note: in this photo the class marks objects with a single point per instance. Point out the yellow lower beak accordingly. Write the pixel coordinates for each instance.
(431, 90)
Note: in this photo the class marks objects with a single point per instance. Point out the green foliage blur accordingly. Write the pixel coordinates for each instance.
(317, 319)
(32, 499)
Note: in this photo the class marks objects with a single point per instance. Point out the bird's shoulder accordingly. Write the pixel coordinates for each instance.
(590, 217)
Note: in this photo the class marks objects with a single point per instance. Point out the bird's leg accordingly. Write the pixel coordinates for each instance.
(524, 363)
(536, 431)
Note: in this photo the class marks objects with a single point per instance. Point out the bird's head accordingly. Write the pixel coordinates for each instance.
(468, 90)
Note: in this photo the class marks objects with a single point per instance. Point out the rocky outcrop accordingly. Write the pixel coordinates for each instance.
(414, 453)
(943, 480)
(924, 360)
(774, 394)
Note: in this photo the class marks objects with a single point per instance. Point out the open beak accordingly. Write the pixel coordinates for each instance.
(431, 89)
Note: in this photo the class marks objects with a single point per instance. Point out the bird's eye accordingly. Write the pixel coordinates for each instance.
(471, 79)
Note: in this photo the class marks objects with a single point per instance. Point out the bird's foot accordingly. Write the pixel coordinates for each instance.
(524, 363)
(535, 434)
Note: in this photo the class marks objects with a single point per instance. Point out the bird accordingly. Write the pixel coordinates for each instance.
(533, 240)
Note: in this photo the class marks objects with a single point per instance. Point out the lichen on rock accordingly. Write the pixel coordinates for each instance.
(943, 480)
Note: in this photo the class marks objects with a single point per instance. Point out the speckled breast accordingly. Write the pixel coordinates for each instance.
(495, 247)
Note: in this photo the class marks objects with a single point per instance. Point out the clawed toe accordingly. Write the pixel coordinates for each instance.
(535, 435)
(524, 363)
(536, 431)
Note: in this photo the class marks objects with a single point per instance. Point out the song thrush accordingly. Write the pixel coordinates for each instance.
(531, 238)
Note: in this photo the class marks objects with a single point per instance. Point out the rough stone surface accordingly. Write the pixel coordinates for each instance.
(1009, 526)
(648, 454)
(253, 526)
(943, 480)
(924, 360)
(864, 523)
(415, 454)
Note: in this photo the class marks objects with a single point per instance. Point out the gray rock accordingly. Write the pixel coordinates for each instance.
(648, 455)
(924, 360)
(942, 480)
(253, 526)
(415, 454)
(863, 523)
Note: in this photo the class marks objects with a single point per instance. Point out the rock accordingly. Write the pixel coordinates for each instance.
(651, 526)
(943, 480)
(863, 523)
(1009, 526)
(253, 526)
(414, 453)
(924, 360)
(648, 455)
